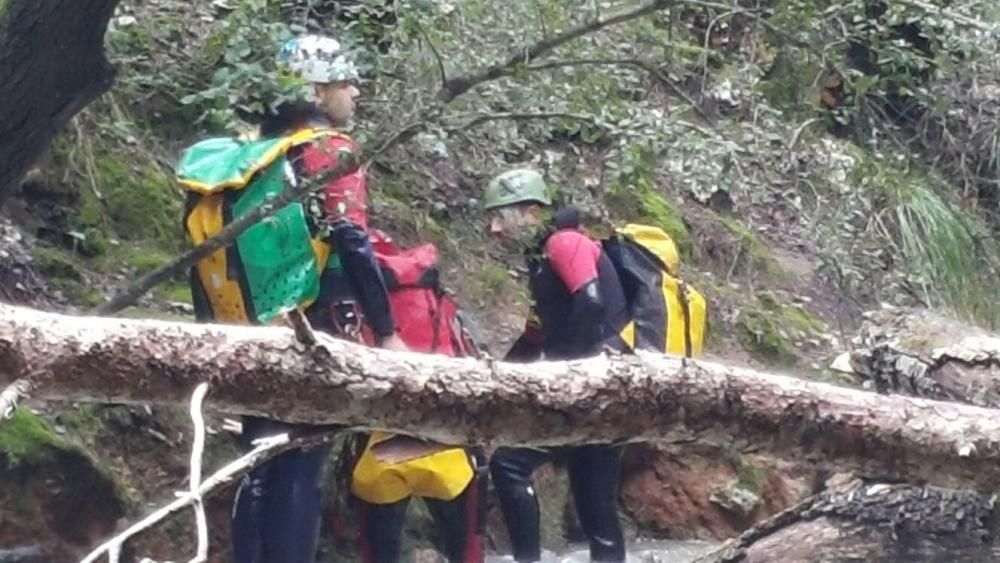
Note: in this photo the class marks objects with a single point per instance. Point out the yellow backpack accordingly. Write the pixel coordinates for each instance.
(275, 265)
(442, 473)
(667, 314)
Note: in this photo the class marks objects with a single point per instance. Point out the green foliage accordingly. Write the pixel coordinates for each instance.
(25, 438)
(244, 56)
(140, 201)
(761, 335)
(56, 263)
(951, 255)
(789, 84)
(752, 255)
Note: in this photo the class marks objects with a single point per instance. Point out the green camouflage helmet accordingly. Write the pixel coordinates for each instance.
(521, 185)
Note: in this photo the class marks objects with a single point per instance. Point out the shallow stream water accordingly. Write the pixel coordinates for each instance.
(660, 551)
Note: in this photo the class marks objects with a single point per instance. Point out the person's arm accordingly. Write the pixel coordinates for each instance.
(345, 213)
(574, 258)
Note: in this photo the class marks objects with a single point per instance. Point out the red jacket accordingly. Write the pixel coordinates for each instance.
(346, 196)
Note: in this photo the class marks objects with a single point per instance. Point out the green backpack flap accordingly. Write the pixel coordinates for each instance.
(274, 265)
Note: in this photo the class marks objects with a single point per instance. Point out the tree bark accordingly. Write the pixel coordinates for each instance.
(266, 371)
(923, 354)
(856, 520)
(913, 352)
(52, 64)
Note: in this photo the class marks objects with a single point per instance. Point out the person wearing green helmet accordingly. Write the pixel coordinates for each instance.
(578, 310)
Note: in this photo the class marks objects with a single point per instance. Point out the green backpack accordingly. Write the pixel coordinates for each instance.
(275, 265)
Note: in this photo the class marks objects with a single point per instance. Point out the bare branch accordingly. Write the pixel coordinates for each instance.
(459, 85)
(952, 15)
(437, 54)
(197, 448)
(523, 116)
(264, 450)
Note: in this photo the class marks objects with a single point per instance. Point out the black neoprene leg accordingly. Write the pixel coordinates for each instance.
(593, 477)
(511, 469)
(381, 530)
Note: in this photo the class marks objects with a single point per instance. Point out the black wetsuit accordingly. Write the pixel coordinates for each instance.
(579, 309)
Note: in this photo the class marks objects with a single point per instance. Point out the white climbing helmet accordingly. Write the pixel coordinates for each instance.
(317, 58)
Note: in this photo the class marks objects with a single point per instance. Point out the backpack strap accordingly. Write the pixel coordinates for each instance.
(682, 296)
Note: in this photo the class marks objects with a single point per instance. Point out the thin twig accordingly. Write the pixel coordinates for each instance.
(646, 66)
(437, 54)
(525, 116)
(457, 86)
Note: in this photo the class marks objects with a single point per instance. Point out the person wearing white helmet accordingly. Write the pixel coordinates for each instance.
(277, 512)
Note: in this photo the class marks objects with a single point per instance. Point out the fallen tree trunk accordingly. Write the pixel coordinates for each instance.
(266, 371)
(857, 520)
(923, 354)
(918, 353)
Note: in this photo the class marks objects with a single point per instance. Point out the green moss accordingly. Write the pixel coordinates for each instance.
(663, 213)
(89, 212)
(490, 281)
(78, 293)
(84, 421)
(140, 201)
(753, 255)
(765, 328)
(642, 203)
(750, 477)
(176, 291)
(141, 259)
(26, 438)
(56, 264)
(761, 336)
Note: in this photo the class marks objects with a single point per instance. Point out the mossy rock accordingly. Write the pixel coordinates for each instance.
(54, 263)
(53, 490)
(761, 336)
(140, 201)
(767, 328)
(27, 439)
